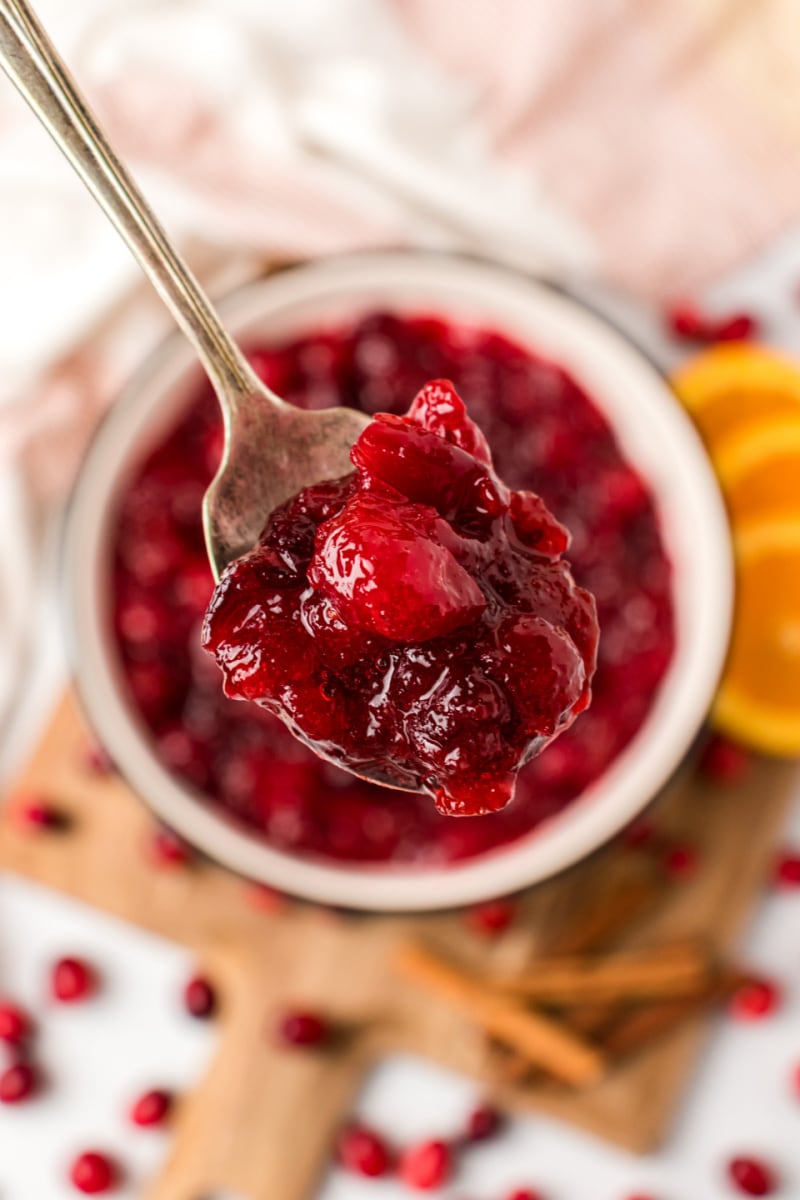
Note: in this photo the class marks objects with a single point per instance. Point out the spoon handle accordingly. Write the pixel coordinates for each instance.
(33, 65)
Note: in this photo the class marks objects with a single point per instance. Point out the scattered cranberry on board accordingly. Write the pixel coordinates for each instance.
(93, 1173)
(363, 1152)
(15, 1024)
(303, 1028)
(151, 1108)
(755, 999)
(18, 1083)
(426, 1166)
(73, 980)
(199, 998)
(752, 1176)
(414, 621)
(483, 1123)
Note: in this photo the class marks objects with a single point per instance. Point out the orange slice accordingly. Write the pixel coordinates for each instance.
(733, 384)
(758, 466)
(759, 698)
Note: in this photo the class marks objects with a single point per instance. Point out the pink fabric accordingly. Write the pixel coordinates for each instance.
(668, 127)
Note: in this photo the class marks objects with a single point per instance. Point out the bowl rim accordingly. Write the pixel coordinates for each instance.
(632, 779)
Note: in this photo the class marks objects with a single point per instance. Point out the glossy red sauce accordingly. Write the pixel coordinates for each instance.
(546, 436)
(413, 621)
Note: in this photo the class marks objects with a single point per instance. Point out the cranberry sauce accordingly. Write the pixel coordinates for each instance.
(546, 436)
(412, 621)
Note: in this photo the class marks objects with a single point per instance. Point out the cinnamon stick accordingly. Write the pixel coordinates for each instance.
(612, 914)
(682, 968)
(540, 1040)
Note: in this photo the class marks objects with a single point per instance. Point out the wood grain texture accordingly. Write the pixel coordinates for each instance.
(263, 1120)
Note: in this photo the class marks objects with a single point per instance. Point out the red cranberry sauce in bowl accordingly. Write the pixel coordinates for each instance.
(546, 436)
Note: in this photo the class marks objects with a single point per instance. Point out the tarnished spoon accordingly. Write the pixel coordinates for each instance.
(272, 449)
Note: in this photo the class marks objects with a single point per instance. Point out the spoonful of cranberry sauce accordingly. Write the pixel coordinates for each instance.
(412, 621)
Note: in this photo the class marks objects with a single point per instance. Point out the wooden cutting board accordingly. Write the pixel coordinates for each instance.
(238, 1130)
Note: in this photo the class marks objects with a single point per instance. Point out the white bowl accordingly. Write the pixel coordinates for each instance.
(654, 434)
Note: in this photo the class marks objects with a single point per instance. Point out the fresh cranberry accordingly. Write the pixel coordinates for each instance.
(736, 328)
(17, 1083)
(483, 1123)
(686, 321)
(166, 849)
(299, 1027)
(639, 835)
(152, 1108)
(72, 980)
(94, 1173)
(755, 999)
(402, 619)
(752, 1176)
(199, 998)
(15, 1024)
(787, 870)
(492, 917)
(724, 761)
(35, 812)
(363, 1152)
(681, 861)
(426, 1166)
(525, 1194)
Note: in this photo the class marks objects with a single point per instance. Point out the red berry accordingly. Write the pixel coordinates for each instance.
(93, 1173)
(34, 813)
(735, 328)
(17, 1083)
(525, 1194)
(483, 1123)
(426, 1166)
(363, 1152)
(724, 761)
(151, 1108)
(72, 980)
(492, 917)
(755, 999)
(638, 834)
(302, 1028)
(751, 1176)
(15, 1024)
(686, 321)
(199, 998)
(680, 861)
(787, 871)
(165, 849)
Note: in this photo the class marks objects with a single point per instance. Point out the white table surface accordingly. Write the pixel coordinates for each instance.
(134, 1036)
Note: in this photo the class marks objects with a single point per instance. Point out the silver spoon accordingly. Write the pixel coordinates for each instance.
(272, 449)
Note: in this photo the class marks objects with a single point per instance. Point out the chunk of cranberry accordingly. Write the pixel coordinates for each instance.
(300, 1027)
(15, 1024)
(72, 980)
(752, 1176)
(199, 998)
(94, 1173)
(166, 849)
(17, 1083)
(681, 861)
(34, 813)
(363, 1152)
(738, 327)
(151, 1108)
(525, 1194)
(426, 1166)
